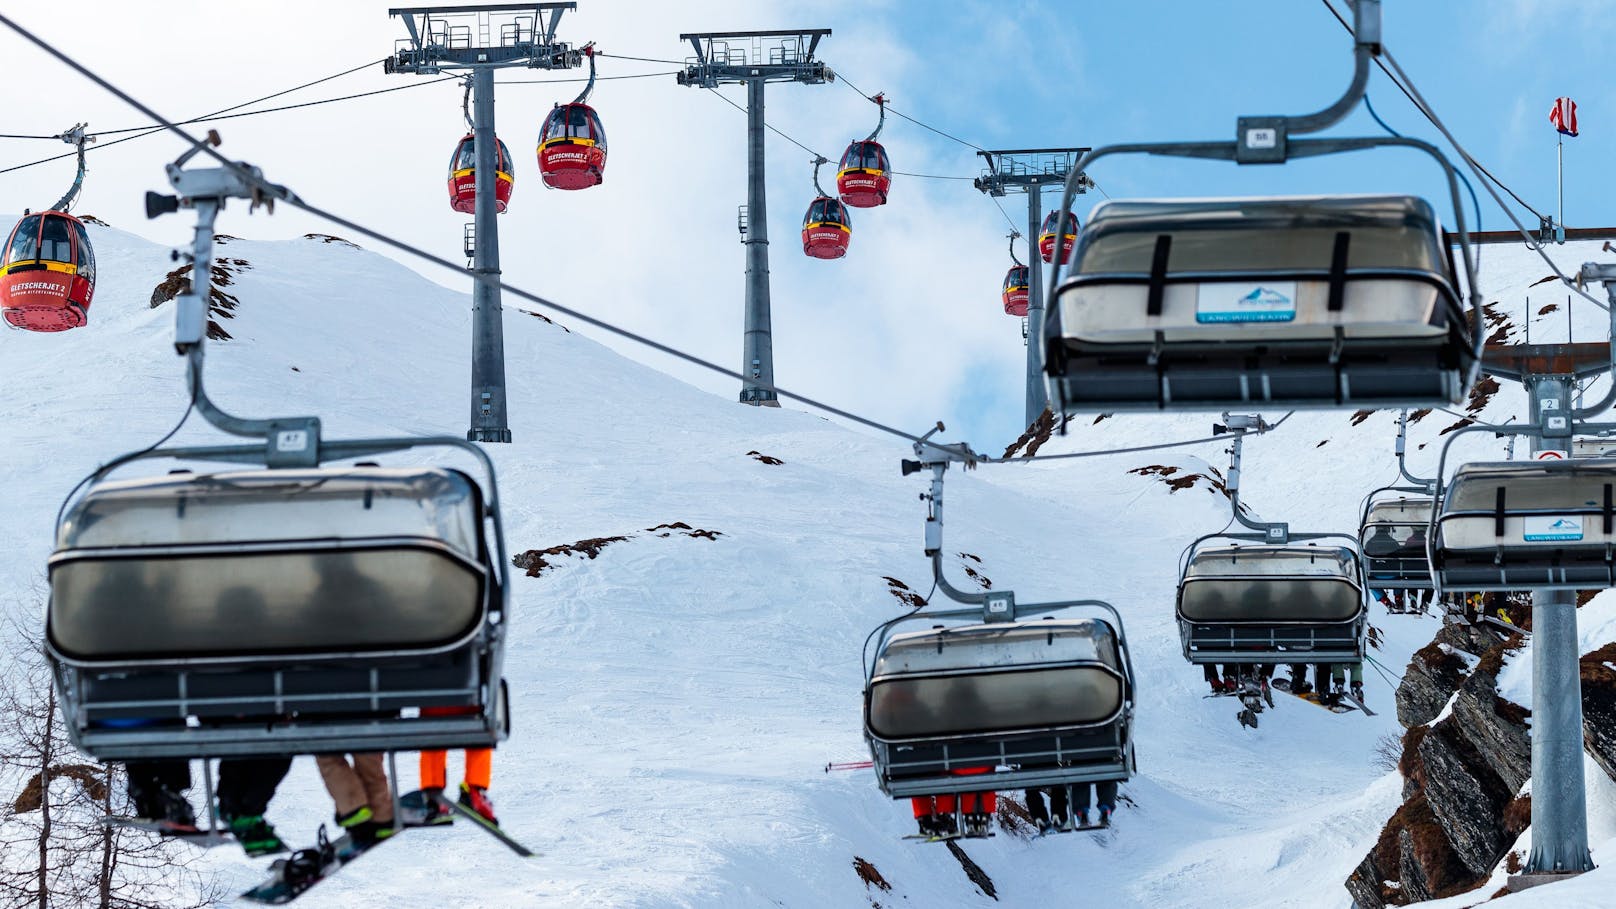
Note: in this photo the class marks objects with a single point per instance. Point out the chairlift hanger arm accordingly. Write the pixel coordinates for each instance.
(1402, 464)
(880, 100)
(588, 50)
(1605, 274)
(293, 441)
(77, 138)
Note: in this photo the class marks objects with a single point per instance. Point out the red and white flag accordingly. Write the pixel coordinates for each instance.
(1564, 116)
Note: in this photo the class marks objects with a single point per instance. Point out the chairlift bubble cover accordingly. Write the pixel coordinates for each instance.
(1529, 524)
(1299, 301)
(987, 678)
(266, 562)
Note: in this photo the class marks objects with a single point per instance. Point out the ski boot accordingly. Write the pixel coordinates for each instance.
(1267, 692)
(1105, 814)
(361, 827)
(977, 824)
(163, 804)
(256, 835)
(476, 799)
(1357, 691)
(434, 812)
(1081, 818)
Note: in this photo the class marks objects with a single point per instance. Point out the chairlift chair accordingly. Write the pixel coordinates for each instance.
(280, 611)
(1523, 525)
(1297, 602)
(1392, 536)
(463, 176)
(1035, 702)
(1294, 301)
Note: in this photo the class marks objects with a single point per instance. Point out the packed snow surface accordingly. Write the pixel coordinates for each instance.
(677, 696)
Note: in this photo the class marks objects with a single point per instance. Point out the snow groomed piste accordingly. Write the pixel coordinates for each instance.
(232, 651)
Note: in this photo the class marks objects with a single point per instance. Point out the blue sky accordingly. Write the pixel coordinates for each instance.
(1028, 74)
(908, 328)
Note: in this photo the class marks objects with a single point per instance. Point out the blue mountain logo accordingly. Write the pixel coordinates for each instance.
(1565, 524)
(1263, 296)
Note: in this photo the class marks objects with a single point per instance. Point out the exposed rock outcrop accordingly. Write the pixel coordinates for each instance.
(1462, 773)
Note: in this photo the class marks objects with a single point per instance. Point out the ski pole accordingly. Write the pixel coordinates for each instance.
(849, 765)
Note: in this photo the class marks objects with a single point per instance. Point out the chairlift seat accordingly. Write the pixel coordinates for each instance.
(1036, 703)
(277, 612)
(1393, 542)
(1294, 301)
(1526, 525)
(1272, 604)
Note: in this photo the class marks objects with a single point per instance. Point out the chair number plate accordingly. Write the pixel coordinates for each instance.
(1266, 137)
(292, 440)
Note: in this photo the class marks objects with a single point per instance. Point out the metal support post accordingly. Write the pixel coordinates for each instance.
(507, 35)
(1028, 170)
(488, 418)
(1037, 391)
(1559, 182)
(1559, 803)
(754, 59)
(757, 361)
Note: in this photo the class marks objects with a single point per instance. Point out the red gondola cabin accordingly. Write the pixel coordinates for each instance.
(1046, 238)
(463, 177)
(864, 175)
(1016, 291)
(48, 275)
(826, 230)
(572, 148)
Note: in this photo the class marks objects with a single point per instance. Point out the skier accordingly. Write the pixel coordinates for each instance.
(1057, 812)
(245, 787)
(934, 814)
(363, 800)
(473, 789)
(1338, 679)
(1299, 683)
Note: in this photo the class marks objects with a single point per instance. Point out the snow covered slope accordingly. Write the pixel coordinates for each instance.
(677, 695)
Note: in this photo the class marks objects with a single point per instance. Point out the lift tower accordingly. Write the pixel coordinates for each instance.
(755, 59)
(479, 40)
(1551, 373)
(1029, 170)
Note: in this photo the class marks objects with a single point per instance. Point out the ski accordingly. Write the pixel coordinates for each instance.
(947, 837)
(291, 877)
(1078, 829)
(174, 830)
(491, 829)
(1347, 696)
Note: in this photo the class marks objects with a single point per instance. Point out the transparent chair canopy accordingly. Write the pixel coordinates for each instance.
(1219, 236)
(1528, 504)
(1307, 301)
(269, 562)
(1269, 584)
(985, 678)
